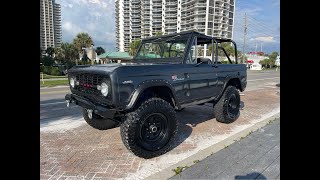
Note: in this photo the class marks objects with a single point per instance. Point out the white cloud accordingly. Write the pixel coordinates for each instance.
(266, 39)
(96, 14)
(71, 28)
(94, 1)
(95, 17)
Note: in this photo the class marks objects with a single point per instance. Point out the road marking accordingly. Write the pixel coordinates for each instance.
(46, 104)
(262, 79)
(52, 92)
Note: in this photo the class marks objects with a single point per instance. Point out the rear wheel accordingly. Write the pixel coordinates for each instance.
(227, 109)
(97, 121)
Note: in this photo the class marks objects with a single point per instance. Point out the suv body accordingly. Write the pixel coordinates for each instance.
(164, 76)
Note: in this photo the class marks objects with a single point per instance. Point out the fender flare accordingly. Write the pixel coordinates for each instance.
(147, 84)
(226, 80)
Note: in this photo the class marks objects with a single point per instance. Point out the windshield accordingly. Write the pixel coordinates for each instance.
(163, 49)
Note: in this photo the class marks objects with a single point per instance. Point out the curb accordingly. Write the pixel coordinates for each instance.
(168, 173)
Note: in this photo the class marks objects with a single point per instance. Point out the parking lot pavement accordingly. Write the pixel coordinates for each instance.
(81, 152)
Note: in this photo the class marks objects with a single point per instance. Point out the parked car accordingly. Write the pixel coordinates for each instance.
(165, 75)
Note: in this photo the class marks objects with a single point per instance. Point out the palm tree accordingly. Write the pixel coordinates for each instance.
(82, 40)
(59, 54)
(50, 51)
(70, 53)
(133, 47)
(100, 50)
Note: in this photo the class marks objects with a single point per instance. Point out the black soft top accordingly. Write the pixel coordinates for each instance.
(201, 38)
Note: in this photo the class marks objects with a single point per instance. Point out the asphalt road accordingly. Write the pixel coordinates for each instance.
(53, 106)
(257, 156)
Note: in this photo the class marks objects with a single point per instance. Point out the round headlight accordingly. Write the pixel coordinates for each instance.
(72, 82)
(104, 89)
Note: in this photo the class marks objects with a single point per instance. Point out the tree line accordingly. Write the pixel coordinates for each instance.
(69, 53)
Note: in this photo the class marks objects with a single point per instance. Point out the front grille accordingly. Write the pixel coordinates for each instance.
(88, 83)
(88, 87)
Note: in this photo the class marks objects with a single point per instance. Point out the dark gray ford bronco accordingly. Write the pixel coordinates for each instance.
(165, 76)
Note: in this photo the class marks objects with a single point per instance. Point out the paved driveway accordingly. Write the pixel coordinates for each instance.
(78, 151)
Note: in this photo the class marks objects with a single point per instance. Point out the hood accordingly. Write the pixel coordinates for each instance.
(126, 69)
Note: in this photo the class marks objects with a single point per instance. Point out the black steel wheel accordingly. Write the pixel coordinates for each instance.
(227, 109)
(154, 132)
(149, 130)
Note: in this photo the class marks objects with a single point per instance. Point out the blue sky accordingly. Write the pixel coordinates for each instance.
(97, 18)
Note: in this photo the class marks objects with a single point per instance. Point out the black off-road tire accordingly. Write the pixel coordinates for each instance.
(136, 128)
(227, 109)
(98, 122)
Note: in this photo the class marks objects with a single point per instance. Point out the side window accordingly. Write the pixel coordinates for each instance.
(192, 56)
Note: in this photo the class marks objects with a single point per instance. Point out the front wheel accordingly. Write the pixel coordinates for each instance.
(227, 109)
(149, 130)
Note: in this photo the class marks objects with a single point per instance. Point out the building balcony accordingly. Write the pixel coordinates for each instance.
(157, 20)
(171, 21)
(171, 27)
(200, 4)
(200, 26)
(199, 20)
(186, 2)
(171, 3)
(156, 10)
(171, 9)
(171, 15)
(200, 12)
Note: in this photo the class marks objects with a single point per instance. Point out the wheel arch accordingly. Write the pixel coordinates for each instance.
(153, 88)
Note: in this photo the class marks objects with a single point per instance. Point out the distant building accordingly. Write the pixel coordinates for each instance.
(50, 24)
(137, 19)
(278, 61)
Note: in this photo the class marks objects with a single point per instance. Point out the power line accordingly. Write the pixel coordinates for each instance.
(262, 25)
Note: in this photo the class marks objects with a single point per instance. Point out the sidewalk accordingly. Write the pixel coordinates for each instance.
(81, 152)
(255, 157)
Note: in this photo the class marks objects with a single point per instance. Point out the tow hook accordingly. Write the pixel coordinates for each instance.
(89, 111)
(68, 103)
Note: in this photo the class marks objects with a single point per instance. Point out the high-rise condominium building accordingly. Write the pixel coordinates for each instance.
(136, 19)
(50, 24)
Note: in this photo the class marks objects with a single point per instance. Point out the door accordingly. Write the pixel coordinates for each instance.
(201, 78)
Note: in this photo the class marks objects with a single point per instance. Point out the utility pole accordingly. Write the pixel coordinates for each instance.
(261, 47)
(244, 37)
(255, 51)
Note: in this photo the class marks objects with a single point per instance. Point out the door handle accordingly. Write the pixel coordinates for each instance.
(215, 66)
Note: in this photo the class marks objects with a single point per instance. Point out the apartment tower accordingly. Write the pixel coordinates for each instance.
(50, 24)
(137, 19)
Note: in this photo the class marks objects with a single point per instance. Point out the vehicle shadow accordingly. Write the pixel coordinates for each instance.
(190, 117)
(254, 175)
